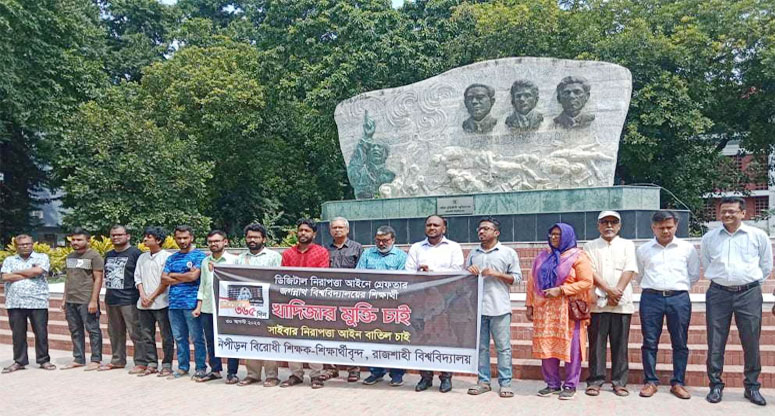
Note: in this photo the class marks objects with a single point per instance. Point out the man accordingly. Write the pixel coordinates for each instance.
(524, 97)
(737, 259)
(498, 267)
(479, 99)
(81, 300)
(121, 297)
(573, 94)
(181, 274)
(343, 254)
(614, 265)
(153, 305)
(435, 254)
(305, 254)
(205, 305)
(26, 299)
(383, 256)
(257, 255)
(667, 268)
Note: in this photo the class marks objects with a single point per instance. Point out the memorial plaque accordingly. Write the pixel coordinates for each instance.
(462, 205)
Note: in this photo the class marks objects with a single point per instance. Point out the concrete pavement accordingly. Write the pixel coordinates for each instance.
(75, 392)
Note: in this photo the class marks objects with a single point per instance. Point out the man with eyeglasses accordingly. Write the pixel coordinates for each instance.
(614, 265)
(498, 267)
(736, 258)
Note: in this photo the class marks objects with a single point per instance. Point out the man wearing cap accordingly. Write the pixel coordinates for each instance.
(614, 264)
(736, 258)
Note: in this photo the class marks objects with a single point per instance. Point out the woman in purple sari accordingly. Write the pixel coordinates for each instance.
(560, 273)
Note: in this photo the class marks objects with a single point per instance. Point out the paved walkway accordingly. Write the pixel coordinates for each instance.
(75, 392)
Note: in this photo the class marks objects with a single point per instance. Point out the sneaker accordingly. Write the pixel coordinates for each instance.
(567, 393)
(373, 379)
(396, 381)
(548, 391)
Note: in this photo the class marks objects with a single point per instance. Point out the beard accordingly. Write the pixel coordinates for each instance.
(255, 246)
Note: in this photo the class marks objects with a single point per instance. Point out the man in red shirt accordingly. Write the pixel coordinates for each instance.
(305, 254)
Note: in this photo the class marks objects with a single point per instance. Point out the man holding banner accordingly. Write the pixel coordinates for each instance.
(435, 254)
(305, 254)
(384, 256)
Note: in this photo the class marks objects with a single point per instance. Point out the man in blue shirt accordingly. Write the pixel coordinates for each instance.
(181, 274)
(383, 256)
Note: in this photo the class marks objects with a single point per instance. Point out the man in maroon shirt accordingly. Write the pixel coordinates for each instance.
(305, 254)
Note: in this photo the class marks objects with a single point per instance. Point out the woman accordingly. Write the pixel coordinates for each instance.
(560, 274)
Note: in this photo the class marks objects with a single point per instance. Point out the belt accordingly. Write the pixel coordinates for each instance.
(664, 293)
(741, 288)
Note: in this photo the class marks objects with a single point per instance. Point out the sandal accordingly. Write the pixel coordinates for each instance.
(208, 377)
(148, 371)
(232, 379)
(506, 392)
(165, 372)
(13, 367)
(110, 366)
(177, 374)
(621, 391)
(353, 376)
(317, 383)
(271, 382)
(248, 381)
(48, 366)
(480, 388)
(138, 369)
(592, 391)
(292, 381)
(71, 366)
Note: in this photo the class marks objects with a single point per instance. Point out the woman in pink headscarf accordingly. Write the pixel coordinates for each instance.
(561, 273)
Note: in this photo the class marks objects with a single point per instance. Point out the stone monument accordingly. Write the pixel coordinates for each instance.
(509, 137)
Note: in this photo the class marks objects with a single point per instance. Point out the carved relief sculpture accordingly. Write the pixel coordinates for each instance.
(524, 97)
(573, 94)
(479, 99)
(367, 170)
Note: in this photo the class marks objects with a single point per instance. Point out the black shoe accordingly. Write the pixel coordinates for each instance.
(446, 385)
(755, 397)
(424, 384)
(715, 394)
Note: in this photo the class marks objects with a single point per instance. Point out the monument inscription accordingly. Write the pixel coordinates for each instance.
(502, 125)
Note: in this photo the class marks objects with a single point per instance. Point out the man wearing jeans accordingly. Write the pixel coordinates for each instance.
(383, 256)
(153, 305)
(667, 268)
(26, 299)
(498, 266)
(81, 299)
(181, 273)
(737, 258)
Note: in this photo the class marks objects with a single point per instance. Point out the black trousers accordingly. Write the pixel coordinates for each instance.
(38, 318)
(428, 375)
(616, 328)
(720, 304)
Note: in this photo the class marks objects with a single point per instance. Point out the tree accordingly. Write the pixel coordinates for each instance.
(117, 166)
(50, 61)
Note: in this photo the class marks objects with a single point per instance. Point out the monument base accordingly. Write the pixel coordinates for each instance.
(524, 215)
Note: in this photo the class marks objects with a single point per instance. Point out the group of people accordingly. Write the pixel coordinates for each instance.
(575, 296)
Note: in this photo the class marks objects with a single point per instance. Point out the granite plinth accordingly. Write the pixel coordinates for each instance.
(498, 203)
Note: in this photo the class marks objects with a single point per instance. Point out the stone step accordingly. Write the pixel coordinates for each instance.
(697, 318)
(698, 353)
(696, 374)
(697, 334)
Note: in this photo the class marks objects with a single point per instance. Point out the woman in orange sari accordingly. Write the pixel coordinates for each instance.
(560, 273)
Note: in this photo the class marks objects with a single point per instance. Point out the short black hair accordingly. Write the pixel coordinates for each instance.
(734, 199)
(117, 226)
(435, 215)
(256, 227)
(308, 222)
(217, 232)
(184, 229)
(664, 215)
(80, 231)
(494, 222)
(158, 233)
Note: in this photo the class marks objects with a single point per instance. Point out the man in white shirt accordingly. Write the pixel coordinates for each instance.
(737, 258)
(614, 264)
(153, 304)
(667, 268)
(435, 254)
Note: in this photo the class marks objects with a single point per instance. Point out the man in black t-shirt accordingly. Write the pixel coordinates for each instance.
(121, 297)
